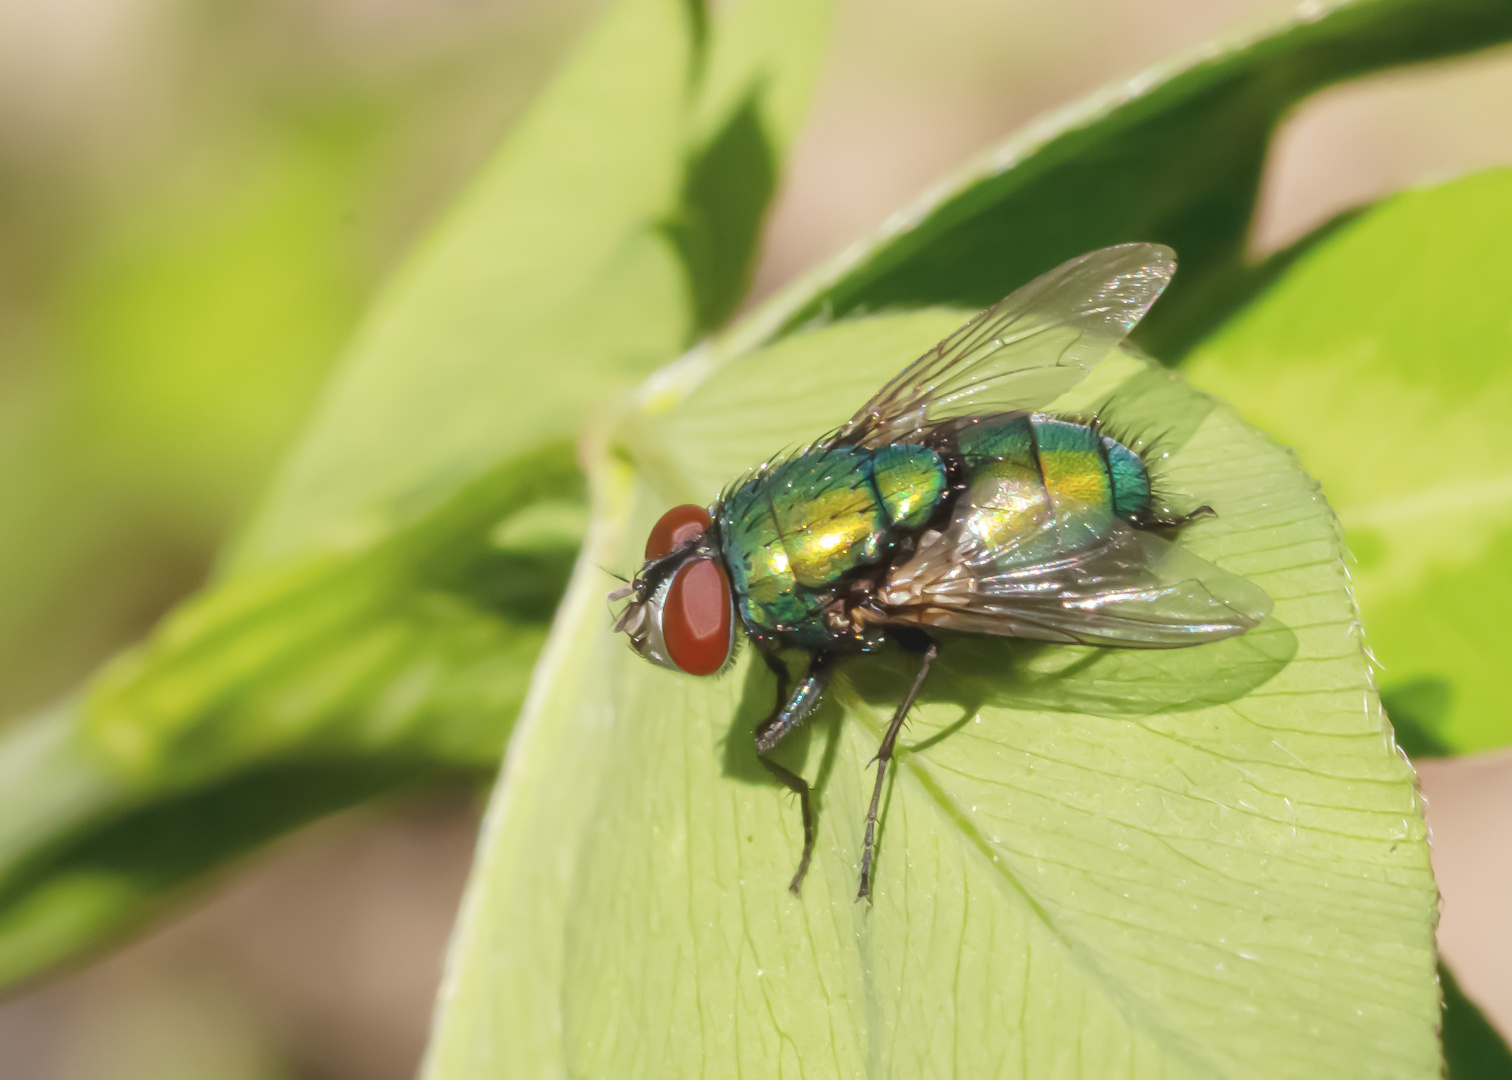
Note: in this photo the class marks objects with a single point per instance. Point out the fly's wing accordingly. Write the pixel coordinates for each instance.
(1117, 586)
(1024, 351)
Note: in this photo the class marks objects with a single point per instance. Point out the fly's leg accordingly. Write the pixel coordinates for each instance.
(796, 708)
(798, 786)
(884, 755)
(788, 713)
(779, 669)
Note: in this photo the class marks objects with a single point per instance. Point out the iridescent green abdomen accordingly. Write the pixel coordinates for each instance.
(800, 526)
(1039, 488)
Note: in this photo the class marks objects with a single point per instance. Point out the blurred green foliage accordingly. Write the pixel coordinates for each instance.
(175, 281)
(386, 604)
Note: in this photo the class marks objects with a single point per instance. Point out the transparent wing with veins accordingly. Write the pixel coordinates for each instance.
(1022, 352)
(1073, 577)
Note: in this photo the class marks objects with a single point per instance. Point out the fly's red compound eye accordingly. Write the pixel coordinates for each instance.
(676, 525)
(696, 618)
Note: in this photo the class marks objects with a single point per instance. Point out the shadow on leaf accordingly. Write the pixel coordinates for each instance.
(977, 671)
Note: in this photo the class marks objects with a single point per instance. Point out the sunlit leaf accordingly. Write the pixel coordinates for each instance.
(546, 274)
(1385, 359)
(1203, 862)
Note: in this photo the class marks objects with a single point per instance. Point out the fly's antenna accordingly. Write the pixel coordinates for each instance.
(624, 591)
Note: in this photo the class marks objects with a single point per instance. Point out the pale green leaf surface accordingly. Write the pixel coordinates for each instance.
(1385, 358)
(1203, 862)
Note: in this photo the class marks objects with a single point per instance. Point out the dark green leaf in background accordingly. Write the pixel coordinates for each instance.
(1473, 1050)
(287, 692)
(1173, 155)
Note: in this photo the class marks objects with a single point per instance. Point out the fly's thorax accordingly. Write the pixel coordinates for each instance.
(798, 533)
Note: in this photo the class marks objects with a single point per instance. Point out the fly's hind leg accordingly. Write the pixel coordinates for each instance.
(884, 755)
(786, 715)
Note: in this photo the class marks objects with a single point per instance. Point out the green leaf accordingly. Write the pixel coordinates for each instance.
(110, 875)
(549, 281)
(1200, 862)
(556, 281)
(179, 346)
(381, 621)
(1473, 1049)
(1384, 357)
(284, 695)
(755, 91)
(1173, 155)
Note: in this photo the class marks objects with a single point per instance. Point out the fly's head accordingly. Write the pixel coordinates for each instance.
(680, 614)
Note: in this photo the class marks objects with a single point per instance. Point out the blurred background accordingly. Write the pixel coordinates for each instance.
(197, 198)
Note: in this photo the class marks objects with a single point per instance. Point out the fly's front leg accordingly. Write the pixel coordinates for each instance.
(884, 755)
(795, 709)
(788, 713)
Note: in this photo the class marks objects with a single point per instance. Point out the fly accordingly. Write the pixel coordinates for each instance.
(948, 502)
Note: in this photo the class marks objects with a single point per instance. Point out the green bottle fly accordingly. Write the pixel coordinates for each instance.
(949, 502)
